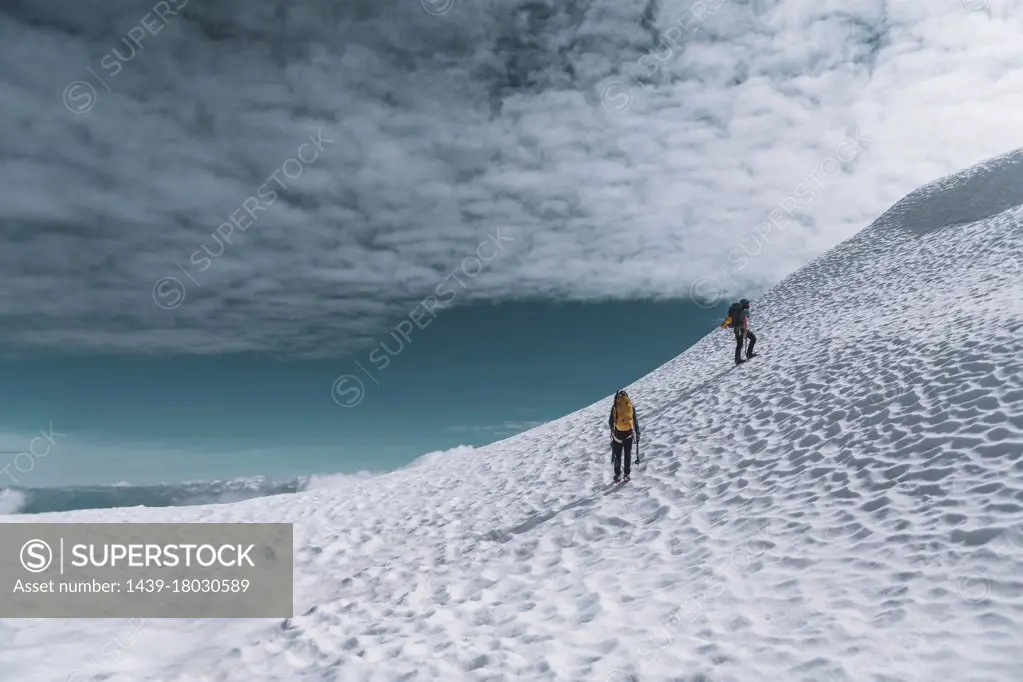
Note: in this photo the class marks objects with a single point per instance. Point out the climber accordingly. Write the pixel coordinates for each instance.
(738, 320)
(624, 426)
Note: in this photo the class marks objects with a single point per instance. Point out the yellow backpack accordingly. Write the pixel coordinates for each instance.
(623, 413)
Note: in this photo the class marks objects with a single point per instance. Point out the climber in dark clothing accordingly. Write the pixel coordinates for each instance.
(738, 320)
(624, 425)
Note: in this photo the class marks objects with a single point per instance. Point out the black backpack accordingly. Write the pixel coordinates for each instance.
(736, 313)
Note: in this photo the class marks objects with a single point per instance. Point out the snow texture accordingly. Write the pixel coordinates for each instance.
(846, 506)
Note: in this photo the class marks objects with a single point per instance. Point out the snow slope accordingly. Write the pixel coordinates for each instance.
(847, 506)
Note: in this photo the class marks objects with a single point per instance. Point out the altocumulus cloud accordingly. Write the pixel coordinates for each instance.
(132, 132)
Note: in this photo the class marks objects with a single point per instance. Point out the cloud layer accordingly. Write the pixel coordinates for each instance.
(623, 148)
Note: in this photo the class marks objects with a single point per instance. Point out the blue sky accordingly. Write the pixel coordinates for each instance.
(479, 374)
(475, 375)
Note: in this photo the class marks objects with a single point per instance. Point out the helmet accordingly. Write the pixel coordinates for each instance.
(744, 303)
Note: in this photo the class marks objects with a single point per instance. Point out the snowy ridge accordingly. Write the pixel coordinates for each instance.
(846, 506)
(71, 498)
(188, 493)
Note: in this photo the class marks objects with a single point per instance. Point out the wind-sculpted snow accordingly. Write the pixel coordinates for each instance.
(974, 194)
(847, 506)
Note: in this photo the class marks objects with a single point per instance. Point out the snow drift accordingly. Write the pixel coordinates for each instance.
(844, 507)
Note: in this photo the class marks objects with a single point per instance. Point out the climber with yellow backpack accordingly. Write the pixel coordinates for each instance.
(624, 427)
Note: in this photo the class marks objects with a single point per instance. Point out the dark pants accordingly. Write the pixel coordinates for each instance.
(617, 449)
(739, 342)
